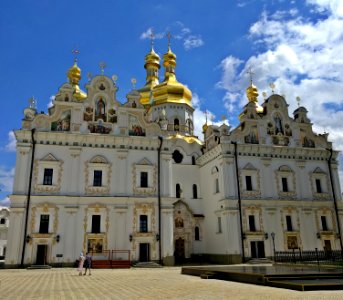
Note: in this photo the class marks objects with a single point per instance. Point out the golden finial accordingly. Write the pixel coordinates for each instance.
(272, 87)
(102, 66)
(298, 100)
(133, 81)
(264, 94)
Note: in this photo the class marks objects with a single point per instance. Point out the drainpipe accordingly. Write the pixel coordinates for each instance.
(334, 199)
(239, 202)
(159, 198)
(28, 196)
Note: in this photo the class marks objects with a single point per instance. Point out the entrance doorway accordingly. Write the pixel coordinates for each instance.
(179, 250)
(42, 251)
(144, 252)
(327, 245)
(257, 249)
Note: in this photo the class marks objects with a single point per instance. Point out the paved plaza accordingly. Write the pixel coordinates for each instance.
(136, 283)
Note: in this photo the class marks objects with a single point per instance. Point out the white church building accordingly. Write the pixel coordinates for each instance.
(101, 174)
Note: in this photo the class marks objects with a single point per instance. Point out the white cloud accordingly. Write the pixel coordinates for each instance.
(303, 57)
(6, 179)
(12, 143)
(199, 117)
(51, 102)
(178, 32)
(192, 41)
(5, 202)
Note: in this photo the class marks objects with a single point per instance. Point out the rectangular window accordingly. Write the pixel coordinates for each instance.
(96, 221)
(318, 186)
(216, 185)
(143, 223)
(219, 225)
(47, 180)
(248, 183)
(289, 223)
(284, 184)
(44, 224)
(252, 226)
(144, 179)
(97, 179)
(324, 224)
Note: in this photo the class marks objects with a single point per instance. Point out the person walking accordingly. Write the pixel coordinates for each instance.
(81, 261)
(88, 263)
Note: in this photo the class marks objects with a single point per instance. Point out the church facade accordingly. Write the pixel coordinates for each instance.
(97, 174)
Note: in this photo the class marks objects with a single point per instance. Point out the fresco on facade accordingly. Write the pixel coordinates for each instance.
(95, 245)
(135, 128)
(62, 124)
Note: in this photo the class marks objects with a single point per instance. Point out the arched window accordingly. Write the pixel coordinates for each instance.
(178, 191)
(196, 233)
(100, 110)
(176, 124)
(195, 191)
(177, 156)
(193, 160)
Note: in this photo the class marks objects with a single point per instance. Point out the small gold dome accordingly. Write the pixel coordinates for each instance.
(204, 127)
(74, 74)
(252, 93)
(152, 58)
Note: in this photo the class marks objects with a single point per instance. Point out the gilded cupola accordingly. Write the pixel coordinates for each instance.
(152, 65)
(74, 76)
(252, 94)
(170, 90)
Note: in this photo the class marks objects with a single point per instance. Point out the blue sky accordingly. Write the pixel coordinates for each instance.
(296, 44)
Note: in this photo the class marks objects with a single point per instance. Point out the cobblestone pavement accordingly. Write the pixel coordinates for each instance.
(162, 283)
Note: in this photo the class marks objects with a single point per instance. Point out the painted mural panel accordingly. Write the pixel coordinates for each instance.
(62, 124)
(135, 128)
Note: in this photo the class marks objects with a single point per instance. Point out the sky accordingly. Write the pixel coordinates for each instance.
(297, 45)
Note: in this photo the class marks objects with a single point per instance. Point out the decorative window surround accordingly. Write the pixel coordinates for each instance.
(250, 170)
(98, 163)
(49, 161)
(319, 174)
(144, 166)
(285, 172)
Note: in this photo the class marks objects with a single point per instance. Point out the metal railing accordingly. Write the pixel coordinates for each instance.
(310, 256)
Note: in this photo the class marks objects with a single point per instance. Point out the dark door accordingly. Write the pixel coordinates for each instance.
(327, 245)
(257, 249)
(144, 252)
(41, 254)
(179, 250)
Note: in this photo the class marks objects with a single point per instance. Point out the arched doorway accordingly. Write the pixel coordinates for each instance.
(179, 251)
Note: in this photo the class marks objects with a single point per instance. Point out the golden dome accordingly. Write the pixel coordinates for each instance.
(74, 76)
(252, 94)
(152, 65)
(152, 58)
(204, 127)
(170, 90)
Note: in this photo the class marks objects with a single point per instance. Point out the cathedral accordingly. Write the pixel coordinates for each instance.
(128, 179)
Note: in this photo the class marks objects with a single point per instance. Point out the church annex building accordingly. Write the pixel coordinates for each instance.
(98, 174)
